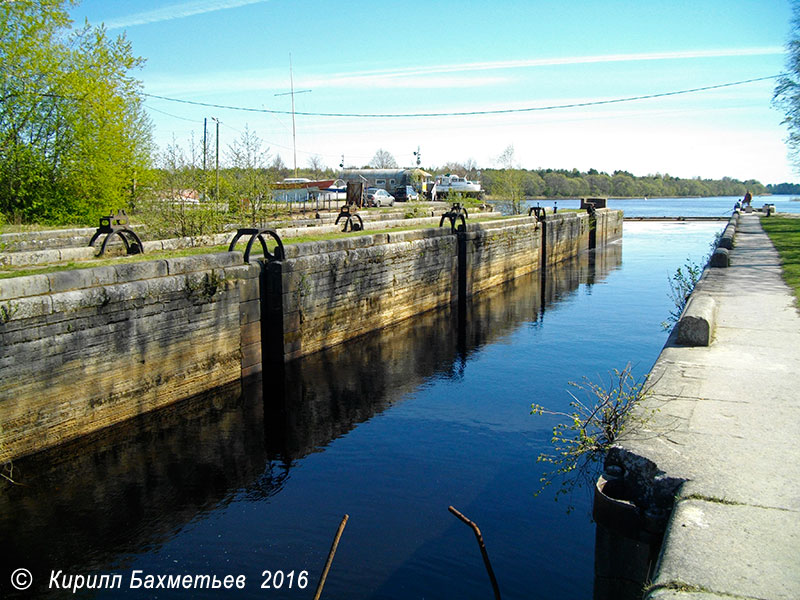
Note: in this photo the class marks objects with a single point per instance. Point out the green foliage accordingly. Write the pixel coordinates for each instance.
(415, 210)
(73, 132)
(784, 188)
(591, 427)
(249, 179)
(177, 202)
(562, 183)
(683, 282)
(509, 183)
(681, 285)
(787, 89)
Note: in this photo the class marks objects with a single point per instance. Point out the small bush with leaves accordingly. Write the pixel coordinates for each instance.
(681, 285)
(683, 282)
(592, 426)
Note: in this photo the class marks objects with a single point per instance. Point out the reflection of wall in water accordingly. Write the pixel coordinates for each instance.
(133, 485)
(314, 400)
(586, 268)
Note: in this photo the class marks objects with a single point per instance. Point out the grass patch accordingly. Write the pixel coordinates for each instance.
(713, 499)
(784, 232)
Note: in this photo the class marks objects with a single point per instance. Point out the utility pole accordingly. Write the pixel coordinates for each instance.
(216, 192)
(205, 142)
(292, 92)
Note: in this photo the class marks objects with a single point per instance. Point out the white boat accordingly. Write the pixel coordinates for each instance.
(446, 184)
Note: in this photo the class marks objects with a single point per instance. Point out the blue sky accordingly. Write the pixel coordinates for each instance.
(439, 57)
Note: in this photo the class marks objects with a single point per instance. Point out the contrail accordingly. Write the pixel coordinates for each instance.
(177, 11)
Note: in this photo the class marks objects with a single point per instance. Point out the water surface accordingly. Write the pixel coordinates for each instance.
(720, 206)
(390, 429)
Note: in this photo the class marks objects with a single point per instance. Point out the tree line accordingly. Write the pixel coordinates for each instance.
(76, 142)
(561, 183)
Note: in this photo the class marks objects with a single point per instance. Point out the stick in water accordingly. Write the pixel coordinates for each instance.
(330, 557)
(482, 546)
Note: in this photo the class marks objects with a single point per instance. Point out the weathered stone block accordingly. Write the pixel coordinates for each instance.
(68, 254)
(141, 270)
(63, 281)
(28, 307)
(720, 258)
(250, 312)
(18, 287)
(696, 325)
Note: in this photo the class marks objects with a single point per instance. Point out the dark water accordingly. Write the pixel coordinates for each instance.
(390, 429)
(682, 207)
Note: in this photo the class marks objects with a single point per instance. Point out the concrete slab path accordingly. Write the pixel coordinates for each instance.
(729, 425)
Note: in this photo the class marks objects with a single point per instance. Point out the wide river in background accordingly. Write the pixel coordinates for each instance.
(390, 429)
(721, 206)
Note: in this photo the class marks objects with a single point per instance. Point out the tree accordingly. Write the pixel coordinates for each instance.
(623, 185)
(73, 131)
(556, 184)
(787, 89)
(249, 178)
(509, 182)
(316, 165)
(383, 159)
(278, 167)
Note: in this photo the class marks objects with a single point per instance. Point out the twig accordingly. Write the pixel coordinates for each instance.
(330, 557)
(482, 546)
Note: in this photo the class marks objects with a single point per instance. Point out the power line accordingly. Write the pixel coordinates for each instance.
(472, 112)
(171, 115)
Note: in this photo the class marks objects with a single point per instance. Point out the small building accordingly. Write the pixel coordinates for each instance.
(387, 179)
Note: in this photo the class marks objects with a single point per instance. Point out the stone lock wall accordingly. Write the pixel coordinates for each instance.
(566, 234)
(84, 349)
(608, 226)
(324, 293)
(494, 253)
(327, 292)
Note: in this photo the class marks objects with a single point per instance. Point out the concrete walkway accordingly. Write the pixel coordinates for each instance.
(729, 425)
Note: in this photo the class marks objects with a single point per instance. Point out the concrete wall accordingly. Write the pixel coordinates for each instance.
(497, 252)
(566, 234)
(84, 349)
(325, 293)
(608, 226)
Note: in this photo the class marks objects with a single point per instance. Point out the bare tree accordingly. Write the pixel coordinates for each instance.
(316, 165)
(383, 159)
(787, 89)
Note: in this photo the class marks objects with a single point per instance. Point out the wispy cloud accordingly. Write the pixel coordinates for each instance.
(458, 75)
(574, 60)
(176, 11)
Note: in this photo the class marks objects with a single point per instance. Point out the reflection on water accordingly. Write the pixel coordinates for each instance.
(391, 428)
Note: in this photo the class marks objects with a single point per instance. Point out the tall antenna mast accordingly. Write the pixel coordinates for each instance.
(292, 92)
